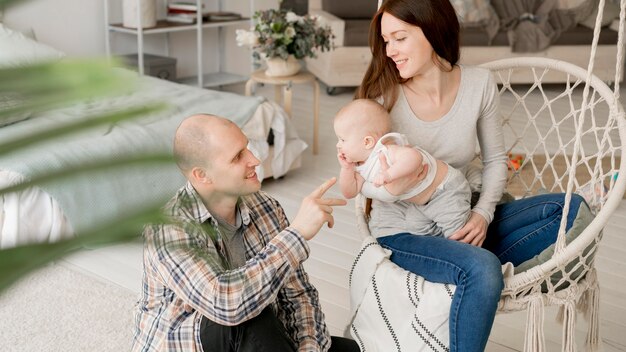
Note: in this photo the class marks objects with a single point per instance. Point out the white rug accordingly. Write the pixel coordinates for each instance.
(58, 309)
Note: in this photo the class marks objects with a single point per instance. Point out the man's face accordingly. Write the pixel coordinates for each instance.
(232, 170)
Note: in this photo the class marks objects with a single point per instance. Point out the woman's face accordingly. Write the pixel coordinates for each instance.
(406, 45)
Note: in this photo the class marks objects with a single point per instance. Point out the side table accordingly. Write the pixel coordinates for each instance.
(284, 85)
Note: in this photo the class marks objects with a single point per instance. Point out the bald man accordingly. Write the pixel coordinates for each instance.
(226, 273)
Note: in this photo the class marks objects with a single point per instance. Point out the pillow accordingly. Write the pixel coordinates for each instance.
(582, 220)
(611, 12)
(570, 4)
(472, 11)
(17, 50)
(580, 9)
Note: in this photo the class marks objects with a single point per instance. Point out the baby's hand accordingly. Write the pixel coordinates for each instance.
(345, 164)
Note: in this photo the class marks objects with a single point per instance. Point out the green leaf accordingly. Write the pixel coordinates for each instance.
(92, 166)
(44, 86)
(19, 261)
(39, 88)
(6, 3)
(78, 126)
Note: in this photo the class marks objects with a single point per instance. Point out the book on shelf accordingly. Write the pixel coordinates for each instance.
(221, 16)
(186, 6)
(181, 18)
(172, 11)
(190, 17)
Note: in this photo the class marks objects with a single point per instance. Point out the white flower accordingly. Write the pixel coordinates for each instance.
(292, 17)
(246, 38)
(290, 32)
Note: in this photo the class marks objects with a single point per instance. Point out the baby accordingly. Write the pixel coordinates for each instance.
(381, 165)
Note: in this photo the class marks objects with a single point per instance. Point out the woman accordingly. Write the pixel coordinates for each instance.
(445, 108)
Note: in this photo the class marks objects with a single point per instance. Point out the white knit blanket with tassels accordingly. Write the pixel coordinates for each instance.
(393, 309)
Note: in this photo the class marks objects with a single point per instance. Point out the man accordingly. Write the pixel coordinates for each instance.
(226, 273)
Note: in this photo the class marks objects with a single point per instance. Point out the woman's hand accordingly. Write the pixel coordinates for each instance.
(473, 232)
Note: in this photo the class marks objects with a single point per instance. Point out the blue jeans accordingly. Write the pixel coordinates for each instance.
(520, 230)
(524, 228)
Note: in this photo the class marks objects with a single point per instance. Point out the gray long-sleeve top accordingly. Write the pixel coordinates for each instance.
(474, 117)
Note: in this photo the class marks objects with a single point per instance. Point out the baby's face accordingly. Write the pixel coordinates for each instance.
(351, 141)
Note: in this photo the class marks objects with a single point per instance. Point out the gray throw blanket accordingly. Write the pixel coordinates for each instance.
(532, 25)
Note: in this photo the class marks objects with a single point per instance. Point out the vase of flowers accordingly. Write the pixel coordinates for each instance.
(282, 38)
(278, 67)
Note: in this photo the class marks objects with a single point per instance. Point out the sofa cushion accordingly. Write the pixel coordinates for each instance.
(356, 32)
(580, 9)
(578, 35)
(472, 11)
(611, 12)
(363, 9)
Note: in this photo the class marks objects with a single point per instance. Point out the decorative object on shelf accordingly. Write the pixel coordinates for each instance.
(182, 12)
(279, 34)
(278, 67)
(148, 13)
(153, 65)
(222, 16)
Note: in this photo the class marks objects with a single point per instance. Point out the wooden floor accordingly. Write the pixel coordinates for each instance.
(333, 249)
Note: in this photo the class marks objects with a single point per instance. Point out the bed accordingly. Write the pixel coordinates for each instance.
(65, 208)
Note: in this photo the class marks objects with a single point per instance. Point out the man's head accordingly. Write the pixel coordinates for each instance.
(358, 127)
(213, 155)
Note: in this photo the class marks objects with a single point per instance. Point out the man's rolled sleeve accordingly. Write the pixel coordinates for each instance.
(293, 245)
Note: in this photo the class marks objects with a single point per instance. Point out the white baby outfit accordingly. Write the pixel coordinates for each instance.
(446, 211)
(371, 167)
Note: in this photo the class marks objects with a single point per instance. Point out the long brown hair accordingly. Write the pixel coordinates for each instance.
(440, 26)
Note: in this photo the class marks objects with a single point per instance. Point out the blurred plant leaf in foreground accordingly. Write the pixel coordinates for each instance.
(40, 88)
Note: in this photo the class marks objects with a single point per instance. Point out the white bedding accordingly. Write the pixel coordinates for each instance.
(33, 215)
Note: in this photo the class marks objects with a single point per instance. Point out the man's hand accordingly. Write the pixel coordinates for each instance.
(473, 232)
(345, 164)
(315, 211)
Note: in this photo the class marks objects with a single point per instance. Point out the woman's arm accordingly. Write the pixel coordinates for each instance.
(491, 140)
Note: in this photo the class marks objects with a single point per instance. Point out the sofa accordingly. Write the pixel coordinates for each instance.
(488, 32)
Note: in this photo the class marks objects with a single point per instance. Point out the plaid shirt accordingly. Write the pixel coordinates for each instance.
(183, 264)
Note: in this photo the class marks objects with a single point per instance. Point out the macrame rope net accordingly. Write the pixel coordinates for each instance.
(571, 140)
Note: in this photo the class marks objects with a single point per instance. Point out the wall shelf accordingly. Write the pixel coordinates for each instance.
(163, 27)
(169, 27)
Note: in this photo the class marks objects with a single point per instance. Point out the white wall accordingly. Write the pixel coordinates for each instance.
(77, 28)
(73, 26)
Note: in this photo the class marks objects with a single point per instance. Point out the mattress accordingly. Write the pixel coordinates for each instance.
(50, 213)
